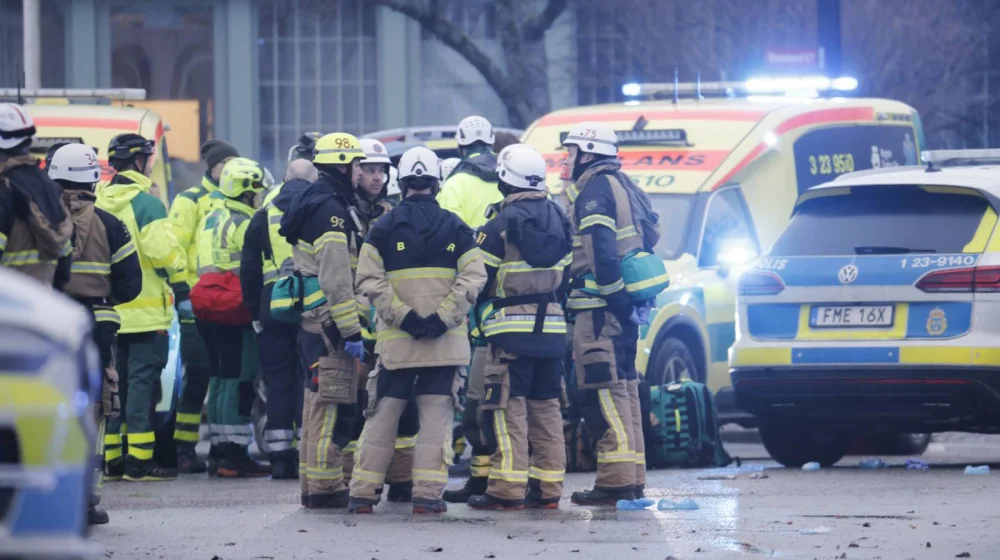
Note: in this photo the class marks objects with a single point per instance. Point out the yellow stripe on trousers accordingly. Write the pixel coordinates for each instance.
(326, 434)
(611, 413)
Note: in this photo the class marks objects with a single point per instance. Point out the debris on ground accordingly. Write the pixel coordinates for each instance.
(758, 476)
(963, 555)
(916, 465)
(811, 466)
(873, 463)
(718, 477)
(866, 524)
(670, 505)
(434, 549)
(635, 505)
(821, 530)
(981, 469)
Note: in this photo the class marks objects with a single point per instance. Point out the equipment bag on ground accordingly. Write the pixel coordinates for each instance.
(684, 428)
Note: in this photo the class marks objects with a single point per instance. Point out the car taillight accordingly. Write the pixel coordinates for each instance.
(758, 283)
(962, 280)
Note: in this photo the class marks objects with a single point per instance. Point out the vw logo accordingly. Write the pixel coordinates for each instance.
(848, 274)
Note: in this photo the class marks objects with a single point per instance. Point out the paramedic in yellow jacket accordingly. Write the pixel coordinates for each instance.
(142, 340)
(224, 322)
(471, 187)
(187, 211)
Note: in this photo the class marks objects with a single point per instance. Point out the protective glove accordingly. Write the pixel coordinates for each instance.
(640, 313)
(355, 348)
(413, 325)
(434, 327)
(185, 310)
(257, 327)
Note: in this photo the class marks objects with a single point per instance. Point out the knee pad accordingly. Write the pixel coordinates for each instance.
(246, 397)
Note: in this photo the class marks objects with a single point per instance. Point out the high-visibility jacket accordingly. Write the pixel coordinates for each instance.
(160, 255)
(471, 189)
(220, 243)
(186, 213)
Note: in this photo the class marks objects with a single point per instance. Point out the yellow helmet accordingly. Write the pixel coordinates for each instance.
(338, 148)
(239, 176)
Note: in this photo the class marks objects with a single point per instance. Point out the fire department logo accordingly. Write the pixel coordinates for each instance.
(937, 323)
(377, 148)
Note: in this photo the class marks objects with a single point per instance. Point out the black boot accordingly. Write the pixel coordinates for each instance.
(534, 500)
(640, 491)
(188, 461)
(282, 469)
(336, 500)
(147, 471)
(421, 505)
(237, 463)
(486, 501)
(97, 516)
(114, 470)
(362, 505)
(602, 496)
(213, 459)
(400, 492)
(475, 486)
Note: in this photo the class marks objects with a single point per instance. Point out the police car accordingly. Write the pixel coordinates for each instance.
(877, 310)
(49, 376)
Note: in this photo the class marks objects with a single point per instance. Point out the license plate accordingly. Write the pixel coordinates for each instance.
(851, 316)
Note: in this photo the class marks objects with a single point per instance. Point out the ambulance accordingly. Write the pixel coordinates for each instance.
(724, 173)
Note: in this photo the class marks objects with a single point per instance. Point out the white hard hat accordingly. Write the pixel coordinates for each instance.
(419, 162)
(375, 151)
(16, 125)
(522, 167)
(504, 151)
(447, 166)
(474, 129)
(75, 162)
(392, 189)
(593, 138)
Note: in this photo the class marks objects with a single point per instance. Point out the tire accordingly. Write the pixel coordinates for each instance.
(258, 417)
(794, 442)
(913, 445)
(672, 362)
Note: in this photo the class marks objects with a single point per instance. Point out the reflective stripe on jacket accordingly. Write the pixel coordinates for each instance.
(187, 211)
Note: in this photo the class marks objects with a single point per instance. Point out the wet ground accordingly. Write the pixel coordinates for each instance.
(851, 513)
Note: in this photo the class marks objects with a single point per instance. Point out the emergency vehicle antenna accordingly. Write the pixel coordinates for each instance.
(698, 96)
(677, 81)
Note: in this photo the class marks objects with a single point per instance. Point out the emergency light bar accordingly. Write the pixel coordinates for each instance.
(957, 158)
(124, 94)
(792, 86)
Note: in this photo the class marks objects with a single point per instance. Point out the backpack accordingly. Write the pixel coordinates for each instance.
(292, 294)
(684, 427)
(218, 298)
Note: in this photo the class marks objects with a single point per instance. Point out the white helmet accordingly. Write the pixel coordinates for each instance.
(504, 151)
(375, 152)
(16, 125)
(593, 138)
(419, 162)
(392, 189)
(474, 129)
(522, 167)
(75, 162)
(447, 166)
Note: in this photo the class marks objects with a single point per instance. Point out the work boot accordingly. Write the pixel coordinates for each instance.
(640, 491)
(362, 505)
(486, 502)
(282, 469)
(188, 461)
(114, 470)
(336, 500)
(475, 486)
(305, 500)
(602, 496)
(147, 471)
(422, 505)
(237, 463)
(400, 492)
(534, 499)
(97, 516)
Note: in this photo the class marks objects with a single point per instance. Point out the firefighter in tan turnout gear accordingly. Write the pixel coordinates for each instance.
(322, 225)
(526, 248)
(422, 270)
(606, 328)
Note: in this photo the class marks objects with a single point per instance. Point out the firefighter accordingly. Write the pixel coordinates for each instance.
(322, 226)
(472, 186)
(187, 212)
(266, 256)
(526, 247)
(35, 227)
(606, 329)
(143, 344)
(105, 272)
(224, 322)
(421, 269)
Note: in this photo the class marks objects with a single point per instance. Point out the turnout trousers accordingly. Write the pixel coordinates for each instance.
(604, 351)
(389, 394)
(521, 406)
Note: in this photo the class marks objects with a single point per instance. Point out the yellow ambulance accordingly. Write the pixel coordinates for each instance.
(724, 174)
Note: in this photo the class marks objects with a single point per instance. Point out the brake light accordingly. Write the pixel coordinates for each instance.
(760, 283)
(962, 280)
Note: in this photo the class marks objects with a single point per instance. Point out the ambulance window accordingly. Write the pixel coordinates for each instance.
(727, 229)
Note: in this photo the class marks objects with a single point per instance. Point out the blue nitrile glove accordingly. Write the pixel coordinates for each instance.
(355, 348)
(184, 309)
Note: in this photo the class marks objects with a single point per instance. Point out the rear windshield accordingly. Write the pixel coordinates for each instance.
(886, 220)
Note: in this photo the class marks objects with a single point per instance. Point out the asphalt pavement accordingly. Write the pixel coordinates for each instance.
(843, 512)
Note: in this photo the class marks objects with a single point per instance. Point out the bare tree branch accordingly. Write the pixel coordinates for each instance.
(535, 27)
